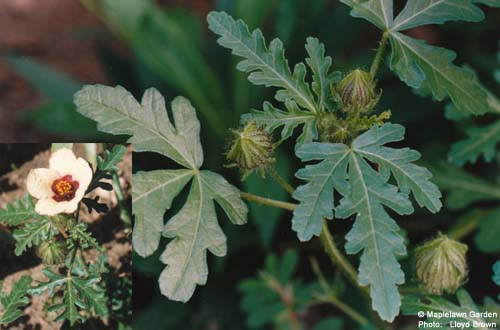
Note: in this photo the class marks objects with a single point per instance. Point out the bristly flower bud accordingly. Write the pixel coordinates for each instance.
(251, 149)
(356, 92)
(441, 264)
(52, 252)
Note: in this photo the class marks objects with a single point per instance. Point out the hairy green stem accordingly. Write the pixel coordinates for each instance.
(466, 225)
(378, 56)
(268, 201)
(279, 180)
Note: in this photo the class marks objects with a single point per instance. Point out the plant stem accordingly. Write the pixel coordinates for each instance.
(330, 296)
(338, 258)
(124, 213)
(466, 224)
(268, 201)
(378, 57)
(279, 180)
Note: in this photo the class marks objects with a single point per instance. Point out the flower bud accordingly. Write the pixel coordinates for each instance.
(251, 148)
(52, 252)
(441, 264)
(356, 92)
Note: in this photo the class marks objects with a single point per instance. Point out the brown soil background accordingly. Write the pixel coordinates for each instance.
(108, 229)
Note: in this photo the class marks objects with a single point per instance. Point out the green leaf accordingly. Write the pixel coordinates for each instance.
(111, 158)
(150, 189)
(195, 229)
(272, 118)
(316, 197)
(399, 163)
(463, 188)
(33, 233)
(54, 84)
(377, 12)
(322, 78)
(262, 295)
(435, 305)
(117, 112)
(425, 12)
(376, 234)
(78, 293)
(480, 141)
(19, 211)
(366, 192)
(14, 303)
(430, 69)
(486, 238)
(266, 65)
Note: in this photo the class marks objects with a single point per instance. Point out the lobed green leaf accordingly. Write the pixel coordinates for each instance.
(19, 211)
(117, 112)
(14, 302)
(481, 141)
(266, 65)
(378, 12)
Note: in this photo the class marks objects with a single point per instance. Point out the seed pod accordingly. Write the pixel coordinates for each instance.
(52, 252)
(441, 264)
(251, 148)
(356, 92)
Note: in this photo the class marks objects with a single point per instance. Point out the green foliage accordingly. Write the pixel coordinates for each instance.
(332, 323)
(481, 141)
(194, 228)
(272, 118)
(33, 233)
(268, 298)
(428, 69)
(16, 301)
(105, 167)
(463, 188)
(496, 274)
(266, 65)
(19, 211)
(486, 238)
(365, 192)
(78, 294)
(462, 312)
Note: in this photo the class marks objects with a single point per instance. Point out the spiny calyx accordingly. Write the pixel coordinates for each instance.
(251, 149)
(441, 264)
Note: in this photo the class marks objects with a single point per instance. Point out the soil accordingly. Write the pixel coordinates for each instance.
(108, 229)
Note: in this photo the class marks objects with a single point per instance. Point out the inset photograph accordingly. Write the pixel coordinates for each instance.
(65, 225)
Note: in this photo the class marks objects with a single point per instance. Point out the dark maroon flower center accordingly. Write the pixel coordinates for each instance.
(64, 188)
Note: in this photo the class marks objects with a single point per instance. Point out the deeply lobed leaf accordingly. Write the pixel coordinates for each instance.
(14, 302)
(430, 69)
(366, 192)
(33, 233)
(195, 230)
(19, 211)
(266, 65)
(117, 112)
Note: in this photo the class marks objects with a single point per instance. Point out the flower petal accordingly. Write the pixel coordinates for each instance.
(39, 182)
(71, 205)
(62, 161)
(49, 206)
(81, 172)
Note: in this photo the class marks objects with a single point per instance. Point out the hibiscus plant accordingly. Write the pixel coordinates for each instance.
(48, 220)
(349, 170)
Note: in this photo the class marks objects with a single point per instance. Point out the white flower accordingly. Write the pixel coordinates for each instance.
(60, 187)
